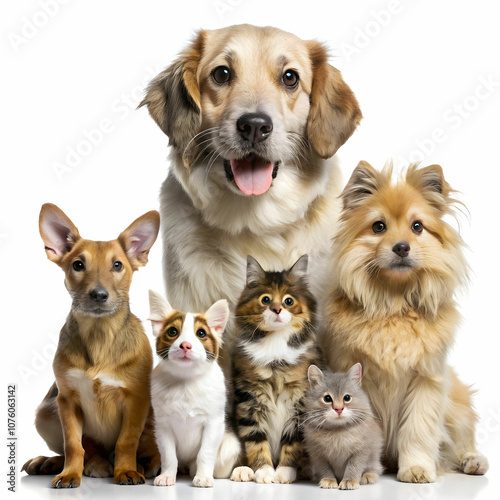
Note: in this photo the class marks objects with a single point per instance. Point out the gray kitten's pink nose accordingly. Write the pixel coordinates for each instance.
(339, 410)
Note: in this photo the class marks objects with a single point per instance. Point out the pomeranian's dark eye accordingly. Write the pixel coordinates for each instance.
(288, 301)
(347, 398)
(378, 227)
(266, 300)
(290, 78)
(417, 227)
(78, 265)
(201, 333)
(221, 74)
(172, 332)
(117, 266)
(327, 398)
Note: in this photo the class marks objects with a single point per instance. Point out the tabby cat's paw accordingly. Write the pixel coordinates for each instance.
(285, 475)
(203, 481)
(474, 463)
(265, 475)
(242, 474)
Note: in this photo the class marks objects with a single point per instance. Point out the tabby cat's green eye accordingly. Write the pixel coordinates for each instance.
(288, 301)
(266, 300)
(172, 332)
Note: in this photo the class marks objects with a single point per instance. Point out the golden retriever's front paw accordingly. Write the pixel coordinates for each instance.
(474, 463)
(416, 474)
(348, 484)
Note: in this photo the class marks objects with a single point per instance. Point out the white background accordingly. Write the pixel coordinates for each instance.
(426, 74)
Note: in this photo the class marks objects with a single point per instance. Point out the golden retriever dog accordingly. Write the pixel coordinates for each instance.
(253, 115)
(397, 265)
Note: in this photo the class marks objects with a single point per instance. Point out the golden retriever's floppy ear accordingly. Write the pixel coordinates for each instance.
(364, 182)
(173, 97)
(335, 112)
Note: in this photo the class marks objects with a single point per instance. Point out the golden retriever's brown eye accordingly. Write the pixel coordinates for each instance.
(378, 227)
(221, 74)
(290, 78)
(117, 265)
(417, 227)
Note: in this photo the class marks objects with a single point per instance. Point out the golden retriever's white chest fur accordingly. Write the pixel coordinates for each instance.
(96, 390)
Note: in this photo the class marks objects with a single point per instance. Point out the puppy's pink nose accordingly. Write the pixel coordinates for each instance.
(186, 346)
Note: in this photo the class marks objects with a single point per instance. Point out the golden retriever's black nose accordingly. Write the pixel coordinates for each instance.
(402, 249)
(254, 127)
(99, 294)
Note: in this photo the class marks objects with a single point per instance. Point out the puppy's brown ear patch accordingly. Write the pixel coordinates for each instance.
(364, 181)
(335, 112)
(139, 237)
(58, 233)
(173, 97)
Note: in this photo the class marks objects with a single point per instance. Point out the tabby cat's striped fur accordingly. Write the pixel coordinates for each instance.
(276, 343)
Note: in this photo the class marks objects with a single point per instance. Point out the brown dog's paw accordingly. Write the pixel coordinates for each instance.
(129, 477)
(98, 467)
(44, 465)
(474, 463)
(71, 480)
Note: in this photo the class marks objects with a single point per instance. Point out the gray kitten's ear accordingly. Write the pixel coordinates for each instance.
(299, 270)
(356, 373)
(315, 375)
(255, 273)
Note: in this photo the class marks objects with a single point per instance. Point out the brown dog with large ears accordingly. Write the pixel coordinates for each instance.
(253, 115)
(101, 398)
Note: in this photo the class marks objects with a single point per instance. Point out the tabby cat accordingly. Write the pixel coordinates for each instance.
(275, 345)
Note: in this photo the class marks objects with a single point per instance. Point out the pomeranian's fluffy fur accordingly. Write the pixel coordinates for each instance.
(397, 265)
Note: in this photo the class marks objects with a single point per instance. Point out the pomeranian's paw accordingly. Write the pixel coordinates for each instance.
(242, 474)
(164, 480)
(416, 474)
(285, 475)
(474, 463)
(203, 481)
(369, 478)
(348, 484)
(328, 483)
(265, 475)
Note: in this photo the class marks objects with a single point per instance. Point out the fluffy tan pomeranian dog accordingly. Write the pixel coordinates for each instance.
(397, 265)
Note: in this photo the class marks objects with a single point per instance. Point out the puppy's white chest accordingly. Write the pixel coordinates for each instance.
(97, 393)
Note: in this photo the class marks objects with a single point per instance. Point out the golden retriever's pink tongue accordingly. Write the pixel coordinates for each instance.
(252, 176)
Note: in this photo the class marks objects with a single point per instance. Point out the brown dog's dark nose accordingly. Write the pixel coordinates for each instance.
(254, 127)
(402, 249)
(99, 294)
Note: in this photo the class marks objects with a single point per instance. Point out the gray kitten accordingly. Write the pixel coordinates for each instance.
(341, 435)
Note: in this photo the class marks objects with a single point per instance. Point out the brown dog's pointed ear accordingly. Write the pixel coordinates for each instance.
(139, 237)
(58, 233)
(335, 112)
(431, 182)
(364, 182)
(173, 96)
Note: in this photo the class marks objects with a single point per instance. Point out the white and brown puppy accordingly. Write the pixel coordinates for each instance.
(252, 114)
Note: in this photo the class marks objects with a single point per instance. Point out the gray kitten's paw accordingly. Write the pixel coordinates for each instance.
(348, 484)
(474, 463)
(328, 483)
(242, 475)
(369, 477)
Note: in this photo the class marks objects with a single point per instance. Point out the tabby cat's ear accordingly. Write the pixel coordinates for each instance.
(356, 373)
(255, 273)
(298, 271)
(315, 375)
